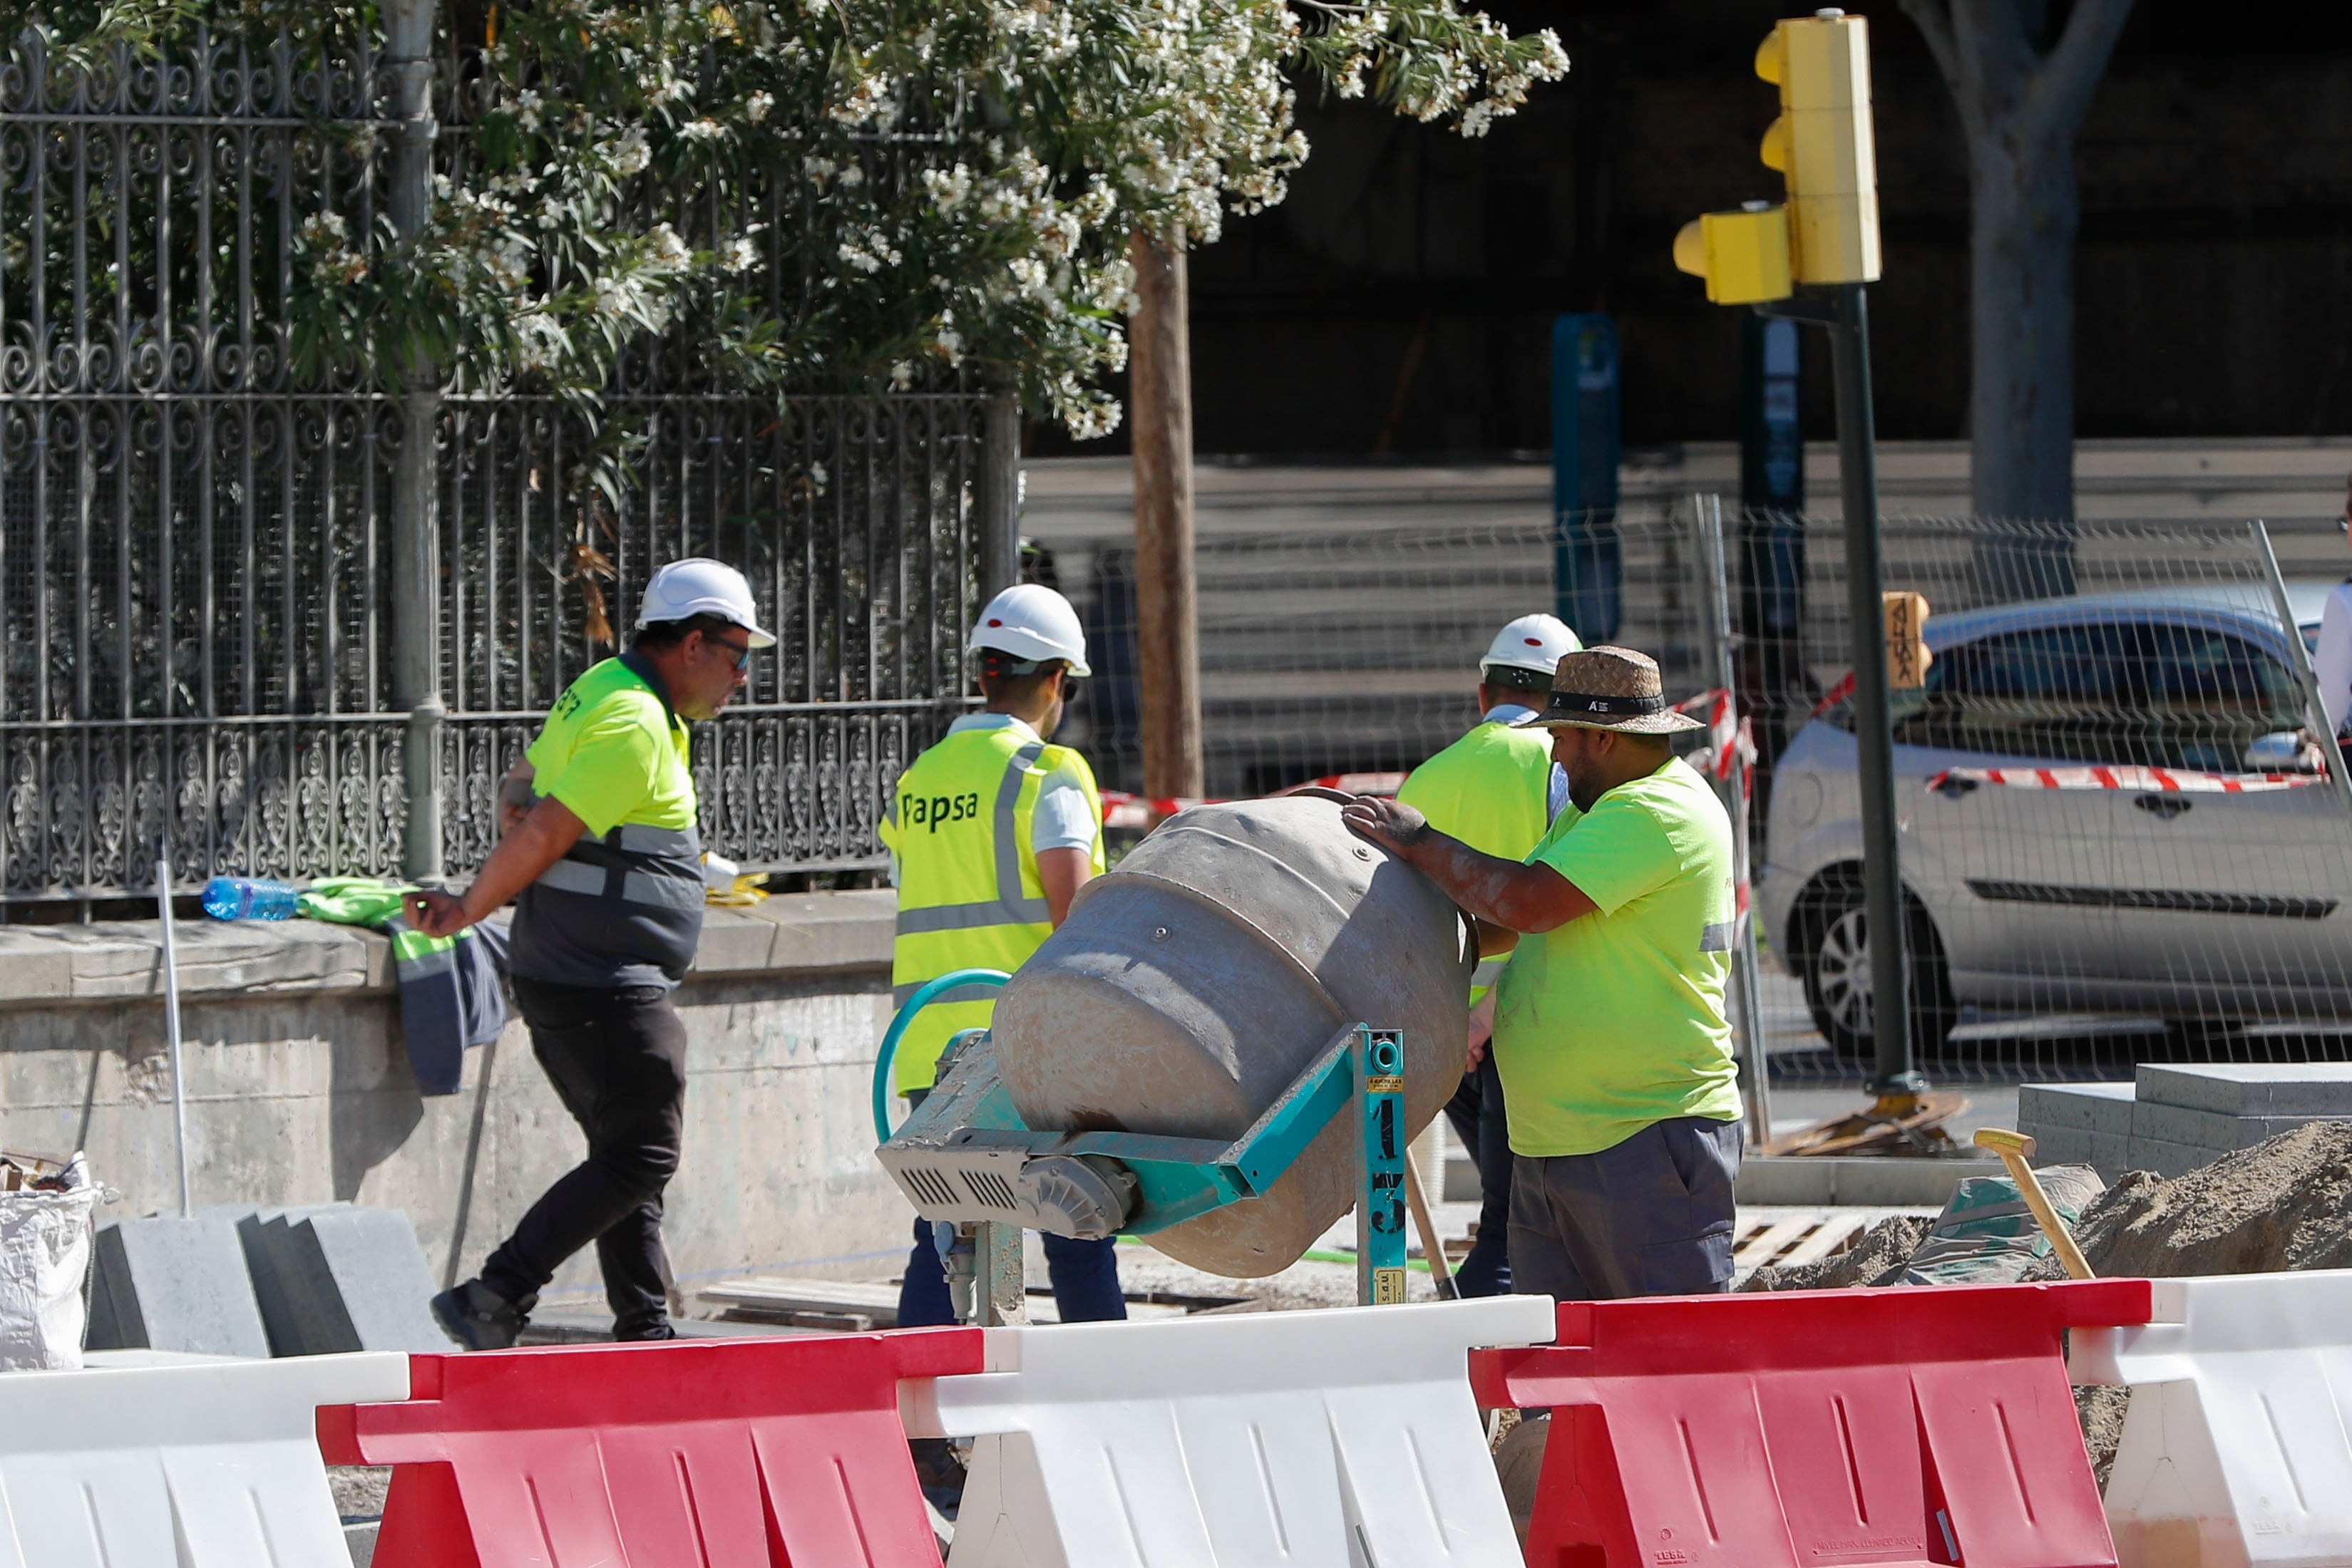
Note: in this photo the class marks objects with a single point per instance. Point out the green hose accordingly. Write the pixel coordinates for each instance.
(921, 999)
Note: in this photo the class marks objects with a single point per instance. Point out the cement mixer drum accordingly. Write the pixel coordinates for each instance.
(1191, 986)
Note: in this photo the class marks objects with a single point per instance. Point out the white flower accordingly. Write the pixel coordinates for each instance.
(738, 255)
(669, 252)
(702, 130)
(631, 154)
(948, 188)
(756, 107)
(527, 110)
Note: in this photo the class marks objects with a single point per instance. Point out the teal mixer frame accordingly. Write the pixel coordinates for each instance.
(969, 1121)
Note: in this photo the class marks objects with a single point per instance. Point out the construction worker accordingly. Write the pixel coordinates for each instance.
(992, 833)
(1497, 790)
(1609, 1025)
(600, 850)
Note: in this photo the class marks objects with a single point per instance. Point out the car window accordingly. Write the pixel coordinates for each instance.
(2209, 694)
(2060, 692)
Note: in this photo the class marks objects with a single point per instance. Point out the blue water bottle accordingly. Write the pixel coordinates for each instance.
(248, 898)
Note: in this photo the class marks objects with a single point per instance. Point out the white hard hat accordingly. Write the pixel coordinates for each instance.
(1032, 622)
(697, 586)
(1530, 643)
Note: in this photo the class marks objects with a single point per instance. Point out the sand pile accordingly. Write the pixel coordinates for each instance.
(2285, 1203)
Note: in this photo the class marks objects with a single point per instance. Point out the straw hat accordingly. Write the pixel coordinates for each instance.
(1609, 688)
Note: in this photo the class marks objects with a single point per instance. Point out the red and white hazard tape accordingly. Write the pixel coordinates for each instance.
(1728, 734)
(2162, 781)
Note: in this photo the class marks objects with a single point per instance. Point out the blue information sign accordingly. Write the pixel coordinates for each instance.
(1585, 445)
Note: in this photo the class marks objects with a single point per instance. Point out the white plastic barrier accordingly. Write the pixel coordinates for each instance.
(1309, 1439)
(2234, 1449)
(208, 1463)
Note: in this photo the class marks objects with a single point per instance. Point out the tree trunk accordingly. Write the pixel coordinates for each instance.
(2021, 95)
(1167, 615)
(2021, 340)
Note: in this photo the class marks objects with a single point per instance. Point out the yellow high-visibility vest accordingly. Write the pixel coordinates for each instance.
(1492, 790)
(968, 896)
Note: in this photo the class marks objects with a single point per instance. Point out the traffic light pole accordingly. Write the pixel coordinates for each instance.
(1846, 312)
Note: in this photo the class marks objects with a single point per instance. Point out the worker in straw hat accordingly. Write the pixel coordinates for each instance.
(1610, 1034)
(1497, 790)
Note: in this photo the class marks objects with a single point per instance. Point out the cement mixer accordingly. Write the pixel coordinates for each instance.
(1179, 1060)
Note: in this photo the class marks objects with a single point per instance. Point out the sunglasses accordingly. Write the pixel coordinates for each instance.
(743, 651)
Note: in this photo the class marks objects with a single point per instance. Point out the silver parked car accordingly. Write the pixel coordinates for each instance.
(2184, 905)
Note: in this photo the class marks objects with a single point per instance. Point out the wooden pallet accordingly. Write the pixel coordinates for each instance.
(1787, 1236)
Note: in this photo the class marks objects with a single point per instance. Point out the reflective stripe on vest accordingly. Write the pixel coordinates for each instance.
(964, 904)
(1010, 906)
(633, 887)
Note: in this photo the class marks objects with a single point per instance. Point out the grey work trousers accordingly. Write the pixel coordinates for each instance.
(1648, 1216)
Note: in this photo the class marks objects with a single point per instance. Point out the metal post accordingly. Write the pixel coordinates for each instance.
(1747, 996)
(1001, 1295)
(1377, 1060)
(172, 1027)
(2314, 707)
(1000, 496)
(1873, 729)
(415, 482)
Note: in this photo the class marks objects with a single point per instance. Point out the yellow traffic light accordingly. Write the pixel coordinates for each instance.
(1822, 144)
(1743, 255)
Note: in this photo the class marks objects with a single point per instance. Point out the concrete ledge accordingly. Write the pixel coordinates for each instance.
(112, 960)
(1889, 1182)
(116, 960)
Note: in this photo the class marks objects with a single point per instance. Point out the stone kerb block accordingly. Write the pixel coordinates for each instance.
(350, 1279)
(2306, 1089)
(175, 1285)
(2215, 1130)
(261, 1232)
(2075, 1107)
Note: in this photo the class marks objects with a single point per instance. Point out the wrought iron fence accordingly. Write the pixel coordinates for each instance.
(200, 551)
(852, 518)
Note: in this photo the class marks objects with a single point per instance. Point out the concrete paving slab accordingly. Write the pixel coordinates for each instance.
(2214, 1130)
(2169, 1159)
(356, 1279)
(267, 1270)
(177, 1285)
(1882, 1182)
(2251, 1088)
(2075, 1107)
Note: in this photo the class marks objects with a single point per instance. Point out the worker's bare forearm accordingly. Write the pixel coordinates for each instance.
(1494, 940)
(1495, 891)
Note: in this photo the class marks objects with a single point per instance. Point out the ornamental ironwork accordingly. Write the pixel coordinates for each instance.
(198, 631)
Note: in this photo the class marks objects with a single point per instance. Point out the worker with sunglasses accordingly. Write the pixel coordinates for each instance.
(600, 852)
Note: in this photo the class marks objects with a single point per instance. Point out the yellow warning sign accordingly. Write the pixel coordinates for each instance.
(1388, 1286)
(1392, 1084)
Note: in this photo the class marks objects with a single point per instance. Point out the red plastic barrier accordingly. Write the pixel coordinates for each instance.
(753, 1453)
(1814, 1428)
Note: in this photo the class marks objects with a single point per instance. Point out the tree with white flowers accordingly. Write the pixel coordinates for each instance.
(826, 192)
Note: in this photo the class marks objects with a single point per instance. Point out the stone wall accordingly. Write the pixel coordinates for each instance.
(300, 1091)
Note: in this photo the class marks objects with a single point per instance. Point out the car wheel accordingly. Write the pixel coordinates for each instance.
(1835, 962)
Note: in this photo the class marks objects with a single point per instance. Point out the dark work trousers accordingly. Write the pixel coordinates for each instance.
(1477, 1112)
(617, 1059)
(1084, 1276)
(1650, 1217)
